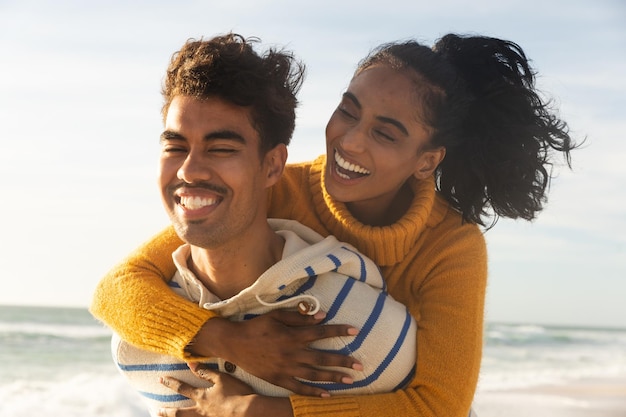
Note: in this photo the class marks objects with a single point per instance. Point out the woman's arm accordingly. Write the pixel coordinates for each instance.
(136, 302)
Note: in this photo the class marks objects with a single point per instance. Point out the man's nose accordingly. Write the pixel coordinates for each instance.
(194, 168)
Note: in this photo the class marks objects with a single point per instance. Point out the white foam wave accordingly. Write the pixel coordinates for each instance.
(59, 330)
(517, 356)
(78, 396)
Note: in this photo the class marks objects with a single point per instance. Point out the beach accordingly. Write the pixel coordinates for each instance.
(57, 361)
(551, 371)
(585, 398)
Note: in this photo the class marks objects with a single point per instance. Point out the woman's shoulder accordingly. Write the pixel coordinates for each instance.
(303, 167)
(447, 221)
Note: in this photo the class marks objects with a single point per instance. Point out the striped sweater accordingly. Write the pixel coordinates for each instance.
(324, 272)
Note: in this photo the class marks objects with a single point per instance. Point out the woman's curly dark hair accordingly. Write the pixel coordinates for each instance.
(228, 67)
(478, 96)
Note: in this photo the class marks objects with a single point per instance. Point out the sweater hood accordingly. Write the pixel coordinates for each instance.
(306, 255)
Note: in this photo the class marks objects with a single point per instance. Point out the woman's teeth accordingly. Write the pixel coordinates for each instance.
(342, 163)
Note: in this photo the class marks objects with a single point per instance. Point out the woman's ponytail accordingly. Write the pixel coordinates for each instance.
(499, 149)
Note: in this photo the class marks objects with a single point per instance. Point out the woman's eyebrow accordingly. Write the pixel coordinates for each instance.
(349, 96)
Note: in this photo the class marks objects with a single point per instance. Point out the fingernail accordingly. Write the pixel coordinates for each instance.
(357, 366)
(352, 331)
(325, 395)
(347, 380)
(319, 315)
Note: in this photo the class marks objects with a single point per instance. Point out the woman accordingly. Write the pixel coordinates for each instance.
(424, 146)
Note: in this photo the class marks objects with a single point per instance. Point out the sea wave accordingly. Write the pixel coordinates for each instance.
(529, 355)
(83, 394)
(522, 334)
(53, 329)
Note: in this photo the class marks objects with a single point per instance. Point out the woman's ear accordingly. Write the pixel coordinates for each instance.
(275, 160)
(428, 162)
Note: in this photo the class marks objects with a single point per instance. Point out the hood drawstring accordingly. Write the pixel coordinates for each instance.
(312, 308)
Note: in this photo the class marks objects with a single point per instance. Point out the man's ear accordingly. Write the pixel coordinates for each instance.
(275, 160)
(428, 162)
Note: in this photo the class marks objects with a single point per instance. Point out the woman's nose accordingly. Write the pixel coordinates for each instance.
(354, 140)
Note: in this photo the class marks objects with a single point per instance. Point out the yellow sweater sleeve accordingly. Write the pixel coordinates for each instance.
(136, 302)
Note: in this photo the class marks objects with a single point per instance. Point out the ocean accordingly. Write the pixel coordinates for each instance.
(56, 361)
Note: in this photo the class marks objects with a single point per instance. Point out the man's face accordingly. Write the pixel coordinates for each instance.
(212, 176)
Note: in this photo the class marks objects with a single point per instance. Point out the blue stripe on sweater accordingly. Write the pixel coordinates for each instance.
(335, 260)
(367, 326)
(172, 398)
(379, 370)
(160, 367)
(310, 272)
(407, 379)
(309, 283)
(339, 300)
(358, 255)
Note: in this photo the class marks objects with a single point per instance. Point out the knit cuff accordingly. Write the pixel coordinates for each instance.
(317, 407)
(173, 327)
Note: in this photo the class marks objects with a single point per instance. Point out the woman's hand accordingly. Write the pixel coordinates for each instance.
(275, 347)
(227, 397)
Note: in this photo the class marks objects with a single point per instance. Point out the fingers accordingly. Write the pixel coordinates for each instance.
(178, 412)
(328, 331)
(184, 388)
(308, 325)
(301, 389)
(204, 372)
(320, 359)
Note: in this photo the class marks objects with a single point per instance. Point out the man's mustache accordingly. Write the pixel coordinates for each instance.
(199, 185)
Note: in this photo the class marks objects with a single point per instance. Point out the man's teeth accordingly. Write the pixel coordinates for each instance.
(349, 166)
(194, 203)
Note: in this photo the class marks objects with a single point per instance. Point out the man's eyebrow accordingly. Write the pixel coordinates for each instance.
(218, 134)
(170, 135)
(389, 120)
(225, 134)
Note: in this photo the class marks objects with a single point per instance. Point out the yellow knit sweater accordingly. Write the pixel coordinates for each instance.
(432, 263)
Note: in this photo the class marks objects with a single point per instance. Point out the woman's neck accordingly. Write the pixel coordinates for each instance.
(373, 213)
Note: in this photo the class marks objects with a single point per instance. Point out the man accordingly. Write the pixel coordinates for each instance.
(229, 115)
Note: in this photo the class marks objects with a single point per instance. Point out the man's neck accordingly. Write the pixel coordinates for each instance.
(227, 270)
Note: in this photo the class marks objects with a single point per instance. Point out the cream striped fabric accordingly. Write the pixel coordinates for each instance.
(326, 272)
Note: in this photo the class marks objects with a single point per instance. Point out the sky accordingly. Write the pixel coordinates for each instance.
(80, 115)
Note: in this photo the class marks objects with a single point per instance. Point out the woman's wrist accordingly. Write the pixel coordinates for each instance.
(208, 342)
(260, 405)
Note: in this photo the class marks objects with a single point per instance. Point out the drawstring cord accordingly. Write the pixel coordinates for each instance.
(307, 304)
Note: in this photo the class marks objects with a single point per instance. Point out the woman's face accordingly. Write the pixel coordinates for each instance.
(375, 141)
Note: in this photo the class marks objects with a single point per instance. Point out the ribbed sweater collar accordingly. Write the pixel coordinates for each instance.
(386, 245)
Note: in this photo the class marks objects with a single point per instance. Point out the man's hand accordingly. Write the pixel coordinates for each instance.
(275, 347)
(227, 397)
